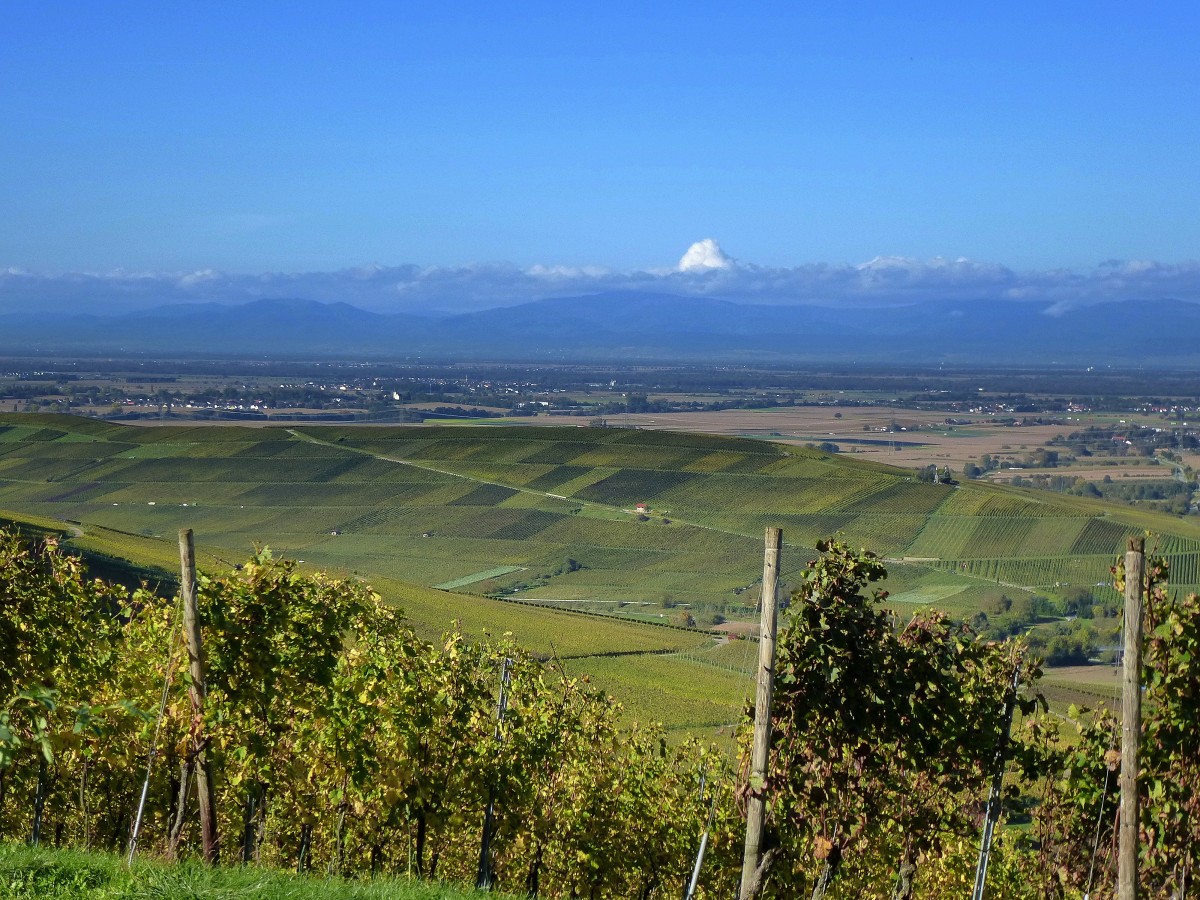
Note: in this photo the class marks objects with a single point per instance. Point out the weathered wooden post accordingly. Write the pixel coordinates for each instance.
(760, 752)
(196, 691)
(1131, 719)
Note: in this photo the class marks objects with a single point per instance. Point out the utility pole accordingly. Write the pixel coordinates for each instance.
(1131, 719)
(756, 805)
(196, 691)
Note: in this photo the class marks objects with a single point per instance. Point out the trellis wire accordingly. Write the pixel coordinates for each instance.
(162, 709)
(994, 799)
(483, 881)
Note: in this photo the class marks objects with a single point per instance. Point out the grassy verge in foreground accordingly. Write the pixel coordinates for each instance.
(61, 874)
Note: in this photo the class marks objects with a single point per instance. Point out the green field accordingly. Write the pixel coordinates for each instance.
(551, 514)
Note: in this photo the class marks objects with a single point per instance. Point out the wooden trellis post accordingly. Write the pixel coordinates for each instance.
(756, 805)
(196, 691)
(1131, 719)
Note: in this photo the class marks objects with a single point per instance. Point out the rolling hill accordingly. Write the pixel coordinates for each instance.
(439, 517)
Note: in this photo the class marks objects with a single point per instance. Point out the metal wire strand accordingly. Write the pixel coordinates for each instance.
(162, 709)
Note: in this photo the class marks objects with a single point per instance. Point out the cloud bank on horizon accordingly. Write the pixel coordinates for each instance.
(704, 270)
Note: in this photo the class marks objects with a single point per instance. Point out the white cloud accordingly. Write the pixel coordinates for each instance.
(703, 256)
(199, 277)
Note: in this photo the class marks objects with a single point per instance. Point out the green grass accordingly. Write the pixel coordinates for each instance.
(39, 526)
(563, 633)
(683, 692)
(477, 576)
(44, 874)
(930, 594)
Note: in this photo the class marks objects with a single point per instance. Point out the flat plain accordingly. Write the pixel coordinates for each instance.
(893, 435)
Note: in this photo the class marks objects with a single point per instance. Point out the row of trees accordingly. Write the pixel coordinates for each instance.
(340, 741)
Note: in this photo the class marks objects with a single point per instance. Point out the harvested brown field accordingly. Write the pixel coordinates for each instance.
(866, 431)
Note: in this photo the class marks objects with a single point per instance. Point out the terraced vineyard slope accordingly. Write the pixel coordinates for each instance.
(640, 524)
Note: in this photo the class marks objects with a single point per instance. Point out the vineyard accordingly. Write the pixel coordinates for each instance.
(497, 512)
(317, 732)
(339, 739)
(435, 505)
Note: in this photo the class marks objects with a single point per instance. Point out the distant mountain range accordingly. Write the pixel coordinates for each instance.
(637, 326)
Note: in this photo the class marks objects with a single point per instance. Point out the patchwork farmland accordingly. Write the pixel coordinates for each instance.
(632, 523)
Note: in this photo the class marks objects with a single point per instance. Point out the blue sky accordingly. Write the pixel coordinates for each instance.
(271, 137)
